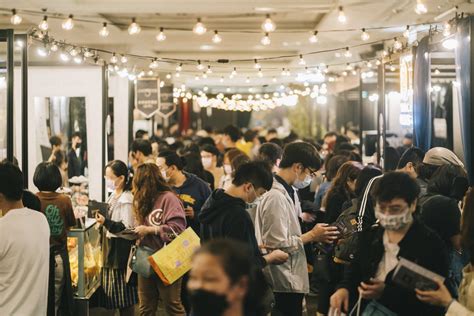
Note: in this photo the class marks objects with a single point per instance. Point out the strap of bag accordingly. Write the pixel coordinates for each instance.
(363, 204)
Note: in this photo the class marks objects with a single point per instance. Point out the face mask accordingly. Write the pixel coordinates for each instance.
(227, 169)
(78, 145)
(207, 162)
(110, 184)
(205, 303)
(163, 174)
(302, 184)
(394, 222)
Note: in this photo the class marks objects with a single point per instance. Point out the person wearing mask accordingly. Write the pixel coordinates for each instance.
(76, 157)
(192, 191)
(464, 306)
(58, 210)
(117, 294)
(333, 163)
(24, 250)
(398, 235)
(210, 161)
(439, 210)
(231, 134)
(271, 153)
(224, 281)
(141, 152)
(229, 156)
(409, 163)
(193, 164)
(159, 214)
(277, 227)
(224, 214)
(435, 158)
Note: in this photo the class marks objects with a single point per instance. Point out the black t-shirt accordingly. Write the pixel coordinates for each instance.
(441, 214)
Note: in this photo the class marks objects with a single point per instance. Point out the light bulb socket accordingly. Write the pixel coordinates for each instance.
(71, 16)
(104, 24)
(14, 11)
(161, 29)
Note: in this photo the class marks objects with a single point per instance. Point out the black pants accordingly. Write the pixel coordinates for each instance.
(288, 304)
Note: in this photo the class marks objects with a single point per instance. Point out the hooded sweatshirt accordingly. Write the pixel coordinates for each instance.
(224, 216)
(194, 192)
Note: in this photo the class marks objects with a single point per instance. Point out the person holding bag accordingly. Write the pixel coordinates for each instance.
(160, 215)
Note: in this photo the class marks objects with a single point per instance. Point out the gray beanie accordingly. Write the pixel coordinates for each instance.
(439, 156)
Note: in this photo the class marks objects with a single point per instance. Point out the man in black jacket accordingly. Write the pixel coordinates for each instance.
(224, 214)
(399, 235)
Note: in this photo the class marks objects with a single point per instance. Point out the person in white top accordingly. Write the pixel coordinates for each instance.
(24, 250)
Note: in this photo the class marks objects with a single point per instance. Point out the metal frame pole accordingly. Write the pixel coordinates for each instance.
(24, 107)
(7, 36)
(105, 113)
(381, 115)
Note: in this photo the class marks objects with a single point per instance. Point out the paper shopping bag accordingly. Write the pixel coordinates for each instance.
(174, 260)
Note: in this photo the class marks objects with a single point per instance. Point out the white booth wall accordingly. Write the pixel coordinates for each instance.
(118, 90)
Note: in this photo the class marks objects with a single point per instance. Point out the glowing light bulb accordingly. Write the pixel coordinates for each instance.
(234, 72)
(392, 68)
(406, 34)
(260, 73)
(420, 7)
(314, 38)
(437, 72)
(199, 65)
(344, 73)
(378, 62)
(221, 80)
(153, 64)
(268, 25)
(199, 28)
(54, 47)
(177, 75)
(43, 26)
(179, 67)
(73, 52)
(104, 31)
(341, 16)
(150, 73)
(266, 40)
(347, 53)
(64, 56)
(349, 67)
(113, 59)
(209, 70)
(78, 59)
(204, 75)
(364, 36)
(369, 64)
(216, 39)
(337, 54)
(447, 29)
(247, 80)
(196, 78)
(15, 19)
(302, 61)
(123, 59)
(397, 45)
(168, 76)
(283, 72)
(134, 28)
(257, 65)
(161, 36)
(274, 79)
(68, 24)
(42, 51)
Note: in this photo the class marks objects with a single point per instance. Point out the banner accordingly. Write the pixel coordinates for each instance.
(167, 105)
(147, 96)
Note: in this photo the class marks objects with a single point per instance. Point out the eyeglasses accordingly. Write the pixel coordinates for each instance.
(312, 172)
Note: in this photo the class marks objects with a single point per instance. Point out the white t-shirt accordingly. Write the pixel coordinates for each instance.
(24, 263)
(389, 259)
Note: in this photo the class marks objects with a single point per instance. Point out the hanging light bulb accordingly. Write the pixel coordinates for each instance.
(150, 73)
(302, 61)
(161, 36)
(260, 74)
(257, 65)
(314, 38)
(42, 51)
(88, 53)
(177, 75)
(420, 7)
(216, 39)
(392, 68)
(341, 16)
(378, 62)
(283, 72)
(347, 53)
(134, 28)
(179, 67)
(123, 59)
(234, 72)
(406, 34)
(446, 29)
(384, 53)
(364, 36)
(196, 78)
(437, 72)
(153, 64)
(199, 28)
(204, 75)
(266, 40)
(64, 56)
(307, 70)
(397, 45)
(209, 70)
(68, 24)
(268, 25)
(73, 52)
(43, 26)
(78, 59)
(222, 79)
(337, 54)
(199, 65)
(369, 64)
(274, 79)
(247, 80)
(104, 31)
(15, 19)
(344, 73)
(113, 59)
(349, 67)
(168, 76)
(54, 47)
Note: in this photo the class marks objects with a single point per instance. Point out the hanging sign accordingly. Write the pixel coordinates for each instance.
(167, 105)
(147, 96)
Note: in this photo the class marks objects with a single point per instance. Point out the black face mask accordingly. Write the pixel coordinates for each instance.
(205, 303)
(78, 145)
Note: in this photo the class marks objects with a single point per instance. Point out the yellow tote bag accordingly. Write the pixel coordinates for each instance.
(174, 260)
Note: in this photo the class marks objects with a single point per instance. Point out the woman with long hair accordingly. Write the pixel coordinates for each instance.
(160, 215)
(117, 294)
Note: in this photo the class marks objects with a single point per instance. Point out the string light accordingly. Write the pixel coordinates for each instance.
(369, 64)
(247, 80)
(283, 72)
(177, 75)
(74, 52)
(68, 24)
(209, 70)
(397, 45)
(378, 62)
(15, 19)
(314, 38)
(406, 34)
(216, 39)
(161, 36)
(260, 73)
(123, 59)
(113, 59)
(43, 26)
(88, 53)
(344, 73)
(337, 54)
(54, 47)
(204, 75)
(257, 65)
(134, 28)
(154, 64)
(78, 59)
(64, 56)
(364, 36)
(392, 68)
(199, 28)
(42, 51)
(222, 79)
(179, 67)
(234, 72)
(347, 53)
(420, 7)
(302, 61)
(274, 79)
(150, 73)
(104, 31)
(349, 67)
(199, 65)
(268, 25)
(447, 29)
(196, 78)
(266, 40)
(341, 16)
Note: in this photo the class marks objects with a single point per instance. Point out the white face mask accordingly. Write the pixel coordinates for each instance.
(227, 169)
(110, 185)
(394, 222)
(163, 174)
(207, 162)
(301, 184)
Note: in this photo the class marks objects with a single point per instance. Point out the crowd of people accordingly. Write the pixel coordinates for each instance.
(279, 219)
